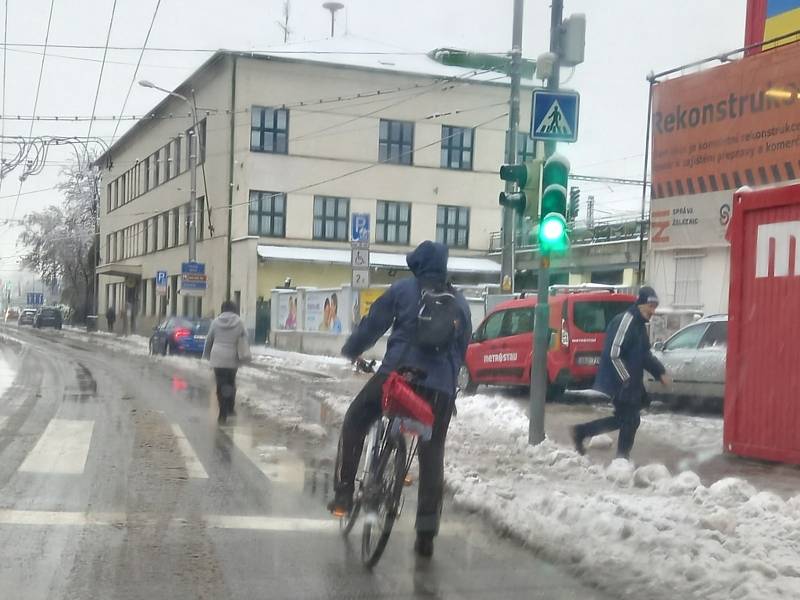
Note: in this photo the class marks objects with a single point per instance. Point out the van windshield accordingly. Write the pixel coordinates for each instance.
(594, 316)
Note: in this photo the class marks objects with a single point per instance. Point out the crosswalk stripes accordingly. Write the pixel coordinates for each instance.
(194, 467)
(63, 448)
(278, 463)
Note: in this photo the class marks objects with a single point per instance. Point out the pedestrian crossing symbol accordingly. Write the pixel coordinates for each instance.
(554, 116)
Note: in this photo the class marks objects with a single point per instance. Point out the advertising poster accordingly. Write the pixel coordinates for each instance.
(713, 132)
(287, 312)
(363, 300)
(322, 311)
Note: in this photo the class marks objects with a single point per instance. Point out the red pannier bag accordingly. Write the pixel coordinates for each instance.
(400, 400)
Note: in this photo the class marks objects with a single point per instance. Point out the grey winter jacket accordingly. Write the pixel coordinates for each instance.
(223, 340)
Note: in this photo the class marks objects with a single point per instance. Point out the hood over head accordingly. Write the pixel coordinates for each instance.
(429, 261)
(227, 320)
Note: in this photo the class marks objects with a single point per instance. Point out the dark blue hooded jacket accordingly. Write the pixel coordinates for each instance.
(398, 308)
(626, 355)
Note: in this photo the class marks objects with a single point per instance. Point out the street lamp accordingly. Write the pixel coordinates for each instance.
(194, 151)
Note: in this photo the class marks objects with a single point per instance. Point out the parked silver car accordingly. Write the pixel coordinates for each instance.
(695, 359)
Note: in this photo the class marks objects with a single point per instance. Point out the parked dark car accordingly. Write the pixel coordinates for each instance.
(47, 317)
(26, 316)
(179, 335)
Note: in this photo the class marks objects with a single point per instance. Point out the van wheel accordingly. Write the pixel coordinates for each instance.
(465, 383)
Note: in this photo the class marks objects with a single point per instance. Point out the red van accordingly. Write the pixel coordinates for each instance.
(501, 348)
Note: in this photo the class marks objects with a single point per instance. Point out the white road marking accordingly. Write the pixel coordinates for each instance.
(278, 463)
(7, 375)
(63, 448)
(46, 518)
(3, 421)
(49, 517)
(193, 465)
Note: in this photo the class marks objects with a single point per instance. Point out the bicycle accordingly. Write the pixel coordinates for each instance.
(387, 458)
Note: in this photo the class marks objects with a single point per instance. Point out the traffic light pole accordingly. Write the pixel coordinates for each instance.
(509, 229)
(541, 329)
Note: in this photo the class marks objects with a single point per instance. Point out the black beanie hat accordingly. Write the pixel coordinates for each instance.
(647, 295)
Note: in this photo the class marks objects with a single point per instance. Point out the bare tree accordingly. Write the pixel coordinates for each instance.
(59, 240)
(284, 24)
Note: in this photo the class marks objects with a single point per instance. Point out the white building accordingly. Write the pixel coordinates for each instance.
(293, 143)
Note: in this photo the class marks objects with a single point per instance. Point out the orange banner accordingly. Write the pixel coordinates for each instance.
(733, 125)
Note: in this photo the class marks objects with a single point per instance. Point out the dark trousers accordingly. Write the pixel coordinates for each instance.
(626, 418)
(362, 413)
(226, 390)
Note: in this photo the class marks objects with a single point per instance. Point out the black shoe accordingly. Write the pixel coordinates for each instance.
(424, 545)
(342, 504)
(222, 419)
(577, 438)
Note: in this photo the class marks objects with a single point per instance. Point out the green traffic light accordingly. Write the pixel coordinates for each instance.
(553, 234)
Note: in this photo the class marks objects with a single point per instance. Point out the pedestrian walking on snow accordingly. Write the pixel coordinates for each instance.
(227, 348)
(620, 376)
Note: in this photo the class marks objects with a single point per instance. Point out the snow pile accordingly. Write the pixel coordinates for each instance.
(639, 532)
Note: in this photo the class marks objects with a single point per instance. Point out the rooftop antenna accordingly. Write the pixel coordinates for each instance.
(333, 7)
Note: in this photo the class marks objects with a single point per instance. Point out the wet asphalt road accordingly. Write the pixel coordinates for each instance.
(116, 482)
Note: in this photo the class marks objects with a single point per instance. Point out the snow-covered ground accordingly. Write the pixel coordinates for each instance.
(638, 531)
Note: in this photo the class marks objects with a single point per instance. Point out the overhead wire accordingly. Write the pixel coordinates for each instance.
(136, 70)
(38, 89)
(102, 67)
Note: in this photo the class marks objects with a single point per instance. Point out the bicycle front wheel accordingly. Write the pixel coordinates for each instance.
(382, 502)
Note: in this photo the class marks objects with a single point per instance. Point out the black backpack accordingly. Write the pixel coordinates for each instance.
(438, 318)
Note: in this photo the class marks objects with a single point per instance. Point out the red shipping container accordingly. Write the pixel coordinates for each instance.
(762, 382)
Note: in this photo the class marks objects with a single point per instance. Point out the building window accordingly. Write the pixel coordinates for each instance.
(331, 215)
(526, 147)
(201, 128)
(167, 162)
(176, 226)
(393, 222)
(108, 197)
(187, 220)
(177, 155)
(396, 142)
(452, 226)
(200, 218)
(108, 248)
(457, 147)
(156, 168)
(688, 270)
(269, 130)
(268, 214)
(164, 230)
(145, 236)
(147, 174)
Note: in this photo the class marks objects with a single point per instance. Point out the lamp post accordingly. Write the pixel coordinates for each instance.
(193, 154)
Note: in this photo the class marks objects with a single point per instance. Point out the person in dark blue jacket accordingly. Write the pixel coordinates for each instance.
(620, 376)
(398, 308)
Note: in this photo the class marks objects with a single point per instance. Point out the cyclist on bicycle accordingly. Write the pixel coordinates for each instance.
(399, 308)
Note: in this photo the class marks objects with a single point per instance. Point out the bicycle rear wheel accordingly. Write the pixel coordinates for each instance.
(382, 499)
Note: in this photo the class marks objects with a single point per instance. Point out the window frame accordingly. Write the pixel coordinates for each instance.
(445, 226)
(405, 147)
(383, 223)
(323, 218)
(274, 131)
(262, 196)
(452, 143)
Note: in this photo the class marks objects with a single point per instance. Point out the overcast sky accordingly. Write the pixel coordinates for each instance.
(626, 39)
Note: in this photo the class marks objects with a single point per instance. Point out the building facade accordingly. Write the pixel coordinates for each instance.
(291, 147)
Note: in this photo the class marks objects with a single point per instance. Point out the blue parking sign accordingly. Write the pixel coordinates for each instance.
(360, 227)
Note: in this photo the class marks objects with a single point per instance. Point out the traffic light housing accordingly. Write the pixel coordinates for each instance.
(574, 203)
(553, 236)
(516, 200)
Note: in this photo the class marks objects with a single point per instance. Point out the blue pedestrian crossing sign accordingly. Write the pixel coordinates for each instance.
(554, 116)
